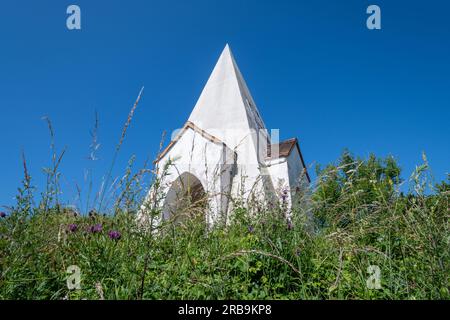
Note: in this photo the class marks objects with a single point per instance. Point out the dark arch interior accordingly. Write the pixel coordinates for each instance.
(186, 199)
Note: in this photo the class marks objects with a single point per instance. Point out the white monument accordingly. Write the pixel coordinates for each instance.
(225, 152)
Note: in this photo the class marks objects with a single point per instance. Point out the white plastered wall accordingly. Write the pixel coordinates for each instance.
(210, 162)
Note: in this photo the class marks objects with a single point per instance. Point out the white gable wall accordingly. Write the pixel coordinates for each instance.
(211, 163)
(297, 176)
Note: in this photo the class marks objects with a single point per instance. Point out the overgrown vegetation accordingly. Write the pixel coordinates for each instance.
(361, 220)
(363, 229)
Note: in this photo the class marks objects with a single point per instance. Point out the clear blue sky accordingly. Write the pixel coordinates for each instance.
(314, 69)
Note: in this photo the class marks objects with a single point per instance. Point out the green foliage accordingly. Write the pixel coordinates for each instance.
(361, 219)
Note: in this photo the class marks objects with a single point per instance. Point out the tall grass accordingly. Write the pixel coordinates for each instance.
(361, 221)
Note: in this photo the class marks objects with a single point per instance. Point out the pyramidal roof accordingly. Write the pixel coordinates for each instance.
(225, 102)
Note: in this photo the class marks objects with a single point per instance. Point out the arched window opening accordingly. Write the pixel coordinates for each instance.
(186, 199)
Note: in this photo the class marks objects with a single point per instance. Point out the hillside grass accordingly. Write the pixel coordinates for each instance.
(362, 222)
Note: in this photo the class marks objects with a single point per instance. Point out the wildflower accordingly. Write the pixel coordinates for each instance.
(250, 229)
(284, 195)
(2, 214)
(114, 235)
(95, 228)
(73, 227)
(70, 212)
(289, 225)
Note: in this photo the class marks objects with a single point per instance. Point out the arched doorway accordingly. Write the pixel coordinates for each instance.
(186, 199)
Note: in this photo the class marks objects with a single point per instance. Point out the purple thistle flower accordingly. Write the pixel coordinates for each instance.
(114, 235)
(289, 225)
(284, 195)
(96, 228)
(73, 227)
(2, 214)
